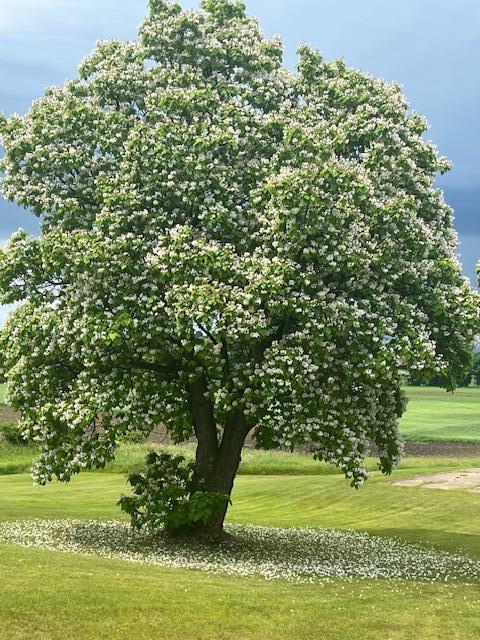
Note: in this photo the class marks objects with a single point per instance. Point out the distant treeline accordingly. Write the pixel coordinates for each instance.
(471, 379)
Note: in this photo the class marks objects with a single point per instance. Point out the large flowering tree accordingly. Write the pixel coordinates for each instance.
(227, 247)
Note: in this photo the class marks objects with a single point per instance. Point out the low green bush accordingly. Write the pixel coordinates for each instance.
(12, 434)
(166, 495)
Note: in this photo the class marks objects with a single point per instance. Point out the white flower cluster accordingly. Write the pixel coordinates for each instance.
(207, 213)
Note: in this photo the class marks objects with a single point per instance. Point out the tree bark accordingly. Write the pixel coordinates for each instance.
(222, 477)
(216, 463)
(205, 431)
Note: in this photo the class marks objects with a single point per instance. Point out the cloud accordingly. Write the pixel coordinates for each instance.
(70, 17)
(43, 41)
(470, 255)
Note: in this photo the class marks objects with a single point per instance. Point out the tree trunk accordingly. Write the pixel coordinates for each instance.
(205, 431)
(216, 463)
(223, 475)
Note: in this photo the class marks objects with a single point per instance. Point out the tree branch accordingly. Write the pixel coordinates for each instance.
(172, 368)
(207, 333)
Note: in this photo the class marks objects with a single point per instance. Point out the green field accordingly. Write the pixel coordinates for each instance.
(50, 595)
(435, 517)
(435, 415)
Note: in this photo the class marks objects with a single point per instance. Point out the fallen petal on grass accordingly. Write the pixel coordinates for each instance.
(300, 555)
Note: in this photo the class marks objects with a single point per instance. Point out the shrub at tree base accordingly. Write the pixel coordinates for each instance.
(227, 247)
(167, 495)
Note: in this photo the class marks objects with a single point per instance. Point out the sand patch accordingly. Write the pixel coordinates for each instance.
(468, 479)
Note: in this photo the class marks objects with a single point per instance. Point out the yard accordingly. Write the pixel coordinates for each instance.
(240, 246)
(55, 595)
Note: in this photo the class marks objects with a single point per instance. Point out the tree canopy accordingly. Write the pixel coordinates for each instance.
(227, 247)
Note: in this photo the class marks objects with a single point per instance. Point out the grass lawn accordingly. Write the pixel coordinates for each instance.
(50, 596)
(54, 596)
(445, 519)
(435, 415)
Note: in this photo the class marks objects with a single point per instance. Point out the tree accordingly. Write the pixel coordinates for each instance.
(227, 247)
(471, 376)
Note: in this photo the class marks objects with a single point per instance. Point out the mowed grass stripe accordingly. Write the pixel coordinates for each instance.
(434, 415)
(53, 596)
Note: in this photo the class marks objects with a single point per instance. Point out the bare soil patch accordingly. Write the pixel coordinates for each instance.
(443, 449)
(431, 392)
(468, 480)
